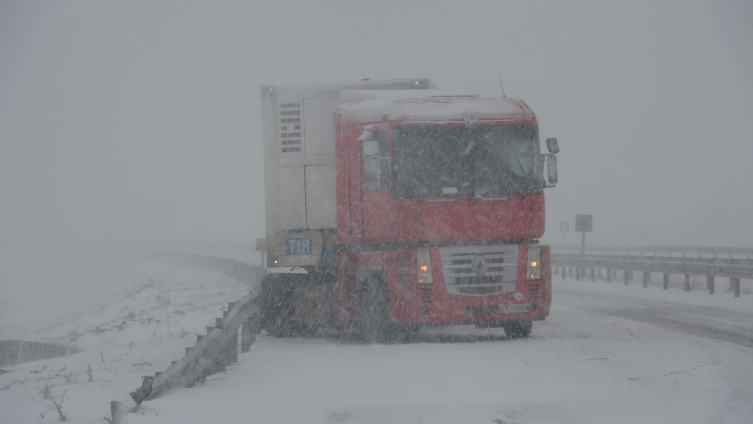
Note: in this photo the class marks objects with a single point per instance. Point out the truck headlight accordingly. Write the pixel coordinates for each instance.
(423, 267)
(533, 265)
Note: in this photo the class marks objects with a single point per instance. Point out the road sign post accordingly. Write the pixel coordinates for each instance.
(584, 224)
(564, 227)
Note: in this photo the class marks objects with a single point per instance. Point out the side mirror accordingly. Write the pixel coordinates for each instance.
(551, 168)
(371, 148)
(551, 145)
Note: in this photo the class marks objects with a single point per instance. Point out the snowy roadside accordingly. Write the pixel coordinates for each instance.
(127, 318)
(578, 367)
(132, 318)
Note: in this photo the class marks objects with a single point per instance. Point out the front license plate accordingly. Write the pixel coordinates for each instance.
(514, 309)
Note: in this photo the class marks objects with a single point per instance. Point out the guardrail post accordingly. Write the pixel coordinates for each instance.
(246, 336)
(600, 276)
(563, 272)
(626, 277)
(734, 283)
(710, 283)
(118, 412)
(593, 274)
(665, 286)
(646, 278)
(687, 282)
(609, 275)
(249, 329)
(578, 273)
(233, 354)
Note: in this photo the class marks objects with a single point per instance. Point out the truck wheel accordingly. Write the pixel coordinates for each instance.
(518, 329)
(276, 305)
(375, 325)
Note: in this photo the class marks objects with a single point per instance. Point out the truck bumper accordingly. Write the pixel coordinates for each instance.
(432, 304)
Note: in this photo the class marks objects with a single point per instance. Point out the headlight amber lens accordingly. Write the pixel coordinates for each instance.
(533, 270)
(423, 264)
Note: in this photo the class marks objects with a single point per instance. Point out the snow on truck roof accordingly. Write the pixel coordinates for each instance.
(422, 106)
(355, 96)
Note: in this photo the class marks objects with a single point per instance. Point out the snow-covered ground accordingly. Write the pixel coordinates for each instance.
(128, 318)
(582, 365)
(579, 366)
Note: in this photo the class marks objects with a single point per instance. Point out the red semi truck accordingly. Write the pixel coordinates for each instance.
(406, 206)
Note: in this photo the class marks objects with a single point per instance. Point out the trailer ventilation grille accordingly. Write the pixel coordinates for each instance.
(479, 270)
(291, 141)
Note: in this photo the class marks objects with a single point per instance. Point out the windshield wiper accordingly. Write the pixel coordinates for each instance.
(520, 164)
(512, 176)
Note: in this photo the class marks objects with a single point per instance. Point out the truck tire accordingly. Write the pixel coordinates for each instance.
(375, 325)
(518, 329)
(277, 305)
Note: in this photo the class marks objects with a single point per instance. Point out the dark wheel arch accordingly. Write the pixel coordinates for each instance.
(277, 305)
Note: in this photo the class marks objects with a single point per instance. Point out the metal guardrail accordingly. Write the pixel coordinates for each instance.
(733, 263)
(215, 350)
(240, 271)
(699, 251)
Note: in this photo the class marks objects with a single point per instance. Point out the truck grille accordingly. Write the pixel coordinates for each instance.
(479, 270)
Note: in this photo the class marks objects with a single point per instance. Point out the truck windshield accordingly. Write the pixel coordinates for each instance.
(489, 160)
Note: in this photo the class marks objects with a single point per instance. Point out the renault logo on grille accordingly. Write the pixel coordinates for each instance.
(480, 265)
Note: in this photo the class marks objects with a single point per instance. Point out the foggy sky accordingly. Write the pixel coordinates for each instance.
(140, 121)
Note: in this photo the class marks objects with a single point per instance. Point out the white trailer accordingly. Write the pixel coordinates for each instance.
(299, 166)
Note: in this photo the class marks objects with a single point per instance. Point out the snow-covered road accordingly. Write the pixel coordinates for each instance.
(722, 318)
(585, 364)
(602, 356)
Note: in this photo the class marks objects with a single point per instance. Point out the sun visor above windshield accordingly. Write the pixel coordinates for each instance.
(355, 96)
(438, 109)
